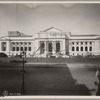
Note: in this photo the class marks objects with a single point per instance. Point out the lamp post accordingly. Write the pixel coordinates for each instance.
(23, 71)
(9, 46)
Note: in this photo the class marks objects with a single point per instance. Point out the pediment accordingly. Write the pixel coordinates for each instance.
(53, 30)
(51, 33)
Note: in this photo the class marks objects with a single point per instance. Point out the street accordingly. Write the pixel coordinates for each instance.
(49, 79)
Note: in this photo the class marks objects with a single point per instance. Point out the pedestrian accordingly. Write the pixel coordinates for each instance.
(97, 83)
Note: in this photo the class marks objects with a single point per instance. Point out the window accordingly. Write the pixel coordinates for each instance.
(72, 43)
(85, 43)
(77, 43)
(29, 43)
(86, 49)
(17, 43)
(21, 43)
(81, 48)
(25, 48)
(17, 48)
(90, 48)
(73, 49)
(77, 48)
(90, 43)
(25, 43)
(13, 49)
(29, 48)
(13, 43)
(81, 43)
(21, 48)
(3, 46)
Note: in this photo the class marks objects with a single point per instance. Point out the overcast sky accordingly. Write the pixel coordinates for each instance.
(32, 18)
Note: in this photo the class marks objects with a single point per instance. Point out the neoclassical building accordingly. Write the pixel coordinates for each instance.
(50, 41)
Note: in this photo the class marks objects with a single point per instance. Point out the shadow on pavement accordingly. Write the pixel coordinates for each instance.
(52, 80)
(10, 79)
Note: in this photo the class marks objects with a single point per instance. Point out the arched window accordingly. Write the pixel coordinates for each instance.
(17, 48)
(25, 48)
(57, 47)
(90, 48)
(81, 48)
(86, 49)
(73, 49)
(77, 48)
(13, 48)
(21, 48)
(29, 48)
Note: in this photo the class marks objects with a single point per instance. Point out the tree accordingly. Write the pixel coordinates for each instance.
(3, 55)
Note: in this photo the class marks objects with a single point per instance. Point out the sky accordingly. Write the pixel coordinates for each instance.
(35, 17)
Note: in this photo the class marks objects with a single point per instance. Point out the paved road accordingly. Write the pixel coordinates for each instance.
(49, 79)
(60, 79)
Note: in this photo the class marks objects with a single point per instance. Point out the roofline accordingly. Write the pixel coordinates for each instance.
(50, 28)
(85, 35)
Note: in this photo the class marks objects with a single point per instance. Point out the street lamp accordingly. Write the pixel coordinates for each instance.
(23, 71)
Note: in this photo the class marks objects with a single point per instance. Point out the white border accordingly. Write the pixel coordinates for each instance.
(37, 1)
(50, 97)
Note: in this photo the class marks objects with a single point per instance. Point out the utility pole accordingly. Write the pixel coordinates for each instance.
(23, 71)
(9, 46)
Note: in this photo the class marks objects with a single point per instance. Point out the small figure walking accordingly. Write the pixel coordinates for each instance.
(97, 83)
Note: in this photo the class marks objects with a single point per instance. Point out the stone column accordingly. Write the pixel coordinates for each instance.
(62, 47)
(0, 46)
(53, 51)
(75, 46)
(7, 47)
(19, 46)
(23, 46)
(38, 47)
(87, 46)
(15, 46)
(45, 48)
(79, 46)
(93, 49)
(54, 47)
